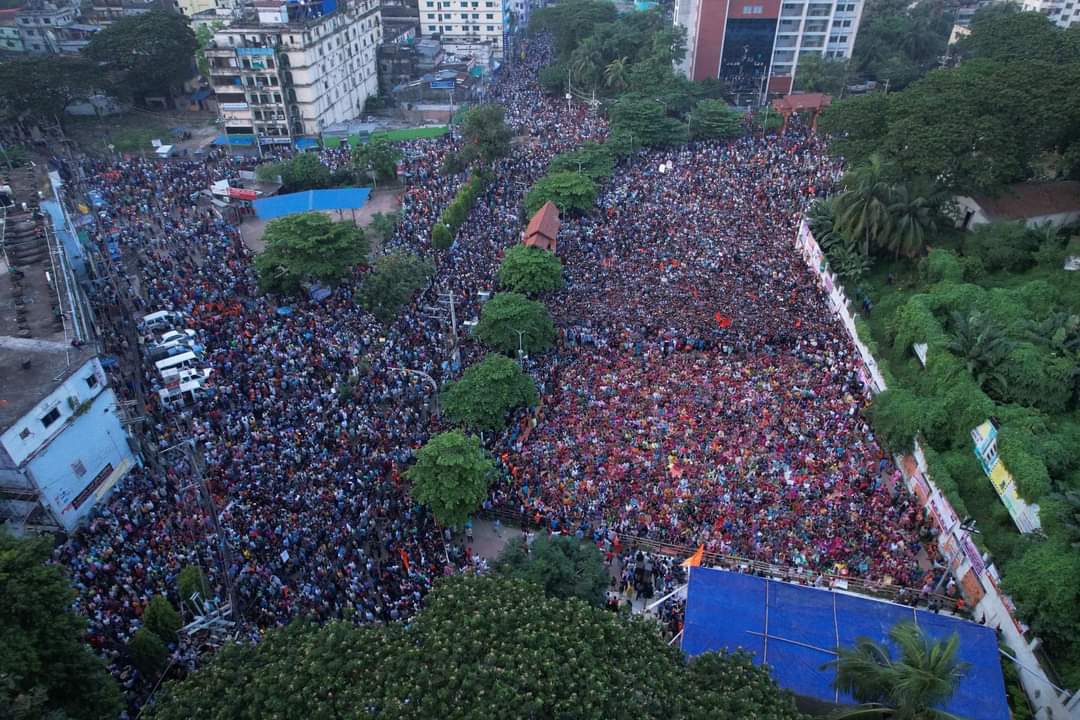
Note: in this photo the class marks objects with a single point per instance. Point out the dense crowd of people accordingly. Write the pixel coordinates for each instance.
(699, 393)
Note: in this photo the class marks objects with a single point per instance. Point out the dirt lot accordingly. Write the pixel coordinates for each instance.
(384, 201)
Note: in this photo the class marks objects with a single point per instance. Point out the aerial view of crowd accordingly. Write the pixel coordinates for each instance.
(699, 393)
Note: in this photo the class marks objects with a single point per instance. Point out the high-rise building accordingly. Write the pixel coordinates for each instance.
(465, 26)
(293, 69)
(755, 45)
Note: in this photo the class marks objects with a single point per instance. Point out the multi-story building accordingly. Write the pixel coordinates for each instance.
(293, 69)
(43, 24)
(1063, 13)
(755, 45)
(10, 38)
(464, 26)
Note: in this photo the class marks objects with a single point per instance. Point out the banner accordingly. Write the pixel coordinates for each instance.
(1025, 516)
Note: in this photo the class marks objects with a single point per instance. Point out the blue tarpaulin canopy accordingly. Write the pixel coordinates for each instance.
(225, 139)
(336, 199)
(795, 630)
(306, 143)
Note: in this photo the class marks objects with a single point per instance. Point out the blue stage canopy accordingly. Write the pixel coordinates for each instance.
(336, 199)
(795, 630)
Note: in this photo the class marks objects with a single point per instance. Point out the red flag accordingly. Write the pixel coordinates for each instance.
(404, 558)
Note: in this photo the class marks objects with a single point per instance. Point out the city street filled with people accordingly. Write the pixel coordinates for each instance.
(700, 391)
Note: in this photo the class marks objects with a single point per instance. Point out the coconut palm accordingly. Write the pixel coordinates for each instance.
(615, 74)
(912, 219)
(926, 673)
(821, 219)
(586, 61)
(983, 347)
(863, 206)
(846, 260)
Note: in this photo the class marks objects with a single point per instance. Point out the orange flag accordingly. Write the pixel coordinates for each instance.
(404, 558)
(695, 559)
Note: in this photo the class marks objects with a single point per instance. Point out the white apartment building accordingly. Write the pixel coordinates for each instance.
(294, 69)
(755, 45)
(465, 25)
(1063, 13)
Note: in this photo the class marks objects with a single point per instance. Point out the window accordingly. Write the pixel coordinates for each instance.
(50, 417)
(753, 9)
(25, 433)
(78, 468)
(91, 382)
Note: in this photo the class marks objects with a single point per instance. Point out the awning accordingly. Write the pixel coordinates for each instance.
(226, 139)
(200, 94)
(306, 143)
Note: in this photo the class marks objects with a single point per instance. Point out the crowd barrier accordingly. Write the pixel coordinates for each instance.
(977, 579)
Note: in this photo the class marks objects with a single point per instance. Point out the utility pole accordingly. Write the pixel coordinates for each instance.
(426, 378)
(446, 310)
(521, 349)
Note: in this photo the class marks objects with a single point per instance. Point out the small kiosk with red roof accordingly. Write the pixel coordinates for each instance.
(543, 229)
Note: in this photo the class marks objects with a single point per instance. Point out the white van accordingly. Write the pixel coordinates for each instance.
(163, 320)
(178, 376)
(180, 395)
(183, 361)
(179, 336)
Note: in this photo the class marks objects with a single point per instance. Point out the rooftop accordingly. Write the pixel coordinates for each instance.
(545, 222)
(36, 353)
(1031, 200)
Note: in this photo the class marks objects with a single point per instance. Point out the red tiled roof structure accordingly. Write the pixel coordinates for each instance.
(813, 103)
(543, 229)
(1031, 199)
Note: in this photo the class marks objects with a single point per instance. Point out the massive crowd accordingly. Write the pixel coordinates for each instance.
(699, 393)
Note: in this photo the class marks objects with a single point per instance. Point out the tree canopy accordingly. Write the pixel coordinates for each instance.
(568, 190)
(45, 668)
(44, 86)
(594, 159)
(152, 52)
(645, 121)
(507, 314)
(308, 246)
(397, 277)
(378, 157)
(899, 42)
(714, 119)
(486, 133)
(564, 566)
(451, 476)
(530, 270)
(481, 647)
(303, 172)
(486, 392)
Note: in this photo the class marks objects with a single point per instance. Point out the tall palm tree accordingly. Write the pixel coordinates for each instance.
(615, 74)
(912, 219)
(586, 61)
(926, 673)
(864, 203)
(983, 347)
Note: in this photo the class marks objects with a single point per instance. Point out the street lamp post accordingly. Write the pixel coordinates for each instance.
(429, 380)
(521, 349)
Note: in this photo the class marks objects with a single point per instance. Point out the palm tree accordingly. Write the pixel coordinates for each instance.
(821, 218)
(983, 347)
(846, 260)
(864, 204)
(926, 674)
(586, 60)
(912, 218)
(615, 74)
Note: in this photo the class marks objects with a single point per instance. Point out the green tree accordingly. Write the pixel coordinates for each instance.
(571, 22)
(486, 392)
(715, 119)
(913, 219)
(983, 347)
(148, 653)
(563, 566)
(153, 52)
(486, 133)
(45, 86)
(189, 581)
(45, 668)
(593, 159)
(863, 204)
(816, 73)
(615, 74)
(376, 159)
(645, 120)
(304, 172)
(899, 42)
(587, 63)
(568, 190)
(397, 277)
(308, 246)
(161, 618)
(926, 673)
(509, 321)
(451, 476)
(441, 237)
(897, 415)
(1008, 35)
(385, 224)
(530, 270)
(481, 647)
(856, 126)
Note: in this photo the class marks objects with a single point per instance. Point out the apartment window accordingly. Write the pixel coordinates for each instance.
(78, 468)
(753, 9)
(491, 28)
(47, 21)
(490, 17)
(50, 417)
(25, 433)
(91, 382)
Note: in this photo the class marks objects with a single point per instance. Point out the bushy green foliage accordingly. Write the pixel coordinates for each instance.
(510, 320)
(940, 264)
(397, 277)
(451, 476)
(562, 565)
(593, 159)
(568, 190)
(715, 119)
(897, 416)
(914, 323)
(189, 581)
(487, 392)
(1003, 246)
(441, 238)
(148, 653)
(161, 618)
(308, 247)
(303, 172)
(530, 270)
